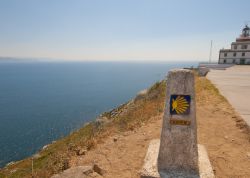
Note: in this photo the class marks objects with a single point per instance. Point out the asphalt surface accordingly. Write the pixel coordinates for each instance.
(234, 84)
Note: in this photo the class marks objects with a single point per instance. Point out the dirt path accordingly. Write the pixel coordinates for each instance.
(225, 136)
(124, 157)
(220, 129)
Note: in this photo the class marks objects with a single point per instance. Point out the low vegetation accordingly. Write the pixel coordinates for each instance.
(129, 116)
(56, 156)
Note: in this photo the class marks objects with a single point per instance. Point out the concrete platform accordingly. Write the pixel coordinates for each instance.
(150, 170)
(234, 84)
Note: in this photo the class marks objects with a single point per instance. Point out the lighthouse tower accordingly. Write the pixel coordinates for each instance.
(240, 50)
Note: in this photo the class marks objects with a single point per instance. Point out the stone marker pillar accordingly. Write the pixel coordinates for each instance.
(178, 154)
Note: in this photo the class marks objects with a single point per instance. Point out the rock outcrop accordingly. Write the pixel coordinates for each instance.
(81, 172)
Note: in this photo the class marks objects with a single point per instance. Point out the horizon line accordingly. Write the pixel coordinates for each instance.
(49, 59)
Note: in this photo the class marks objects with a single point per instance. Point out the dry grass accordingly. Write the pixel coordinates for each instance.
(129, 116)
(212, 110)
(203, 87)
(55, 158)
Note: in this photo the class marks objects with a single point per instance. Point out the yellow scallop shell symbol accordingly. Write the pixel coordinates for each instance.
(180, 105)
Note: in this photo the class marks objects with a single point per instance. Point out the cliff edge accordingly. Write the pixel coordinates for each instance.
(115, 144)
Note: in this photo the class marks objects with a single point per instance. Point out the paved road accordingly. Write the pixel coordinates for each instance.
(234, 84)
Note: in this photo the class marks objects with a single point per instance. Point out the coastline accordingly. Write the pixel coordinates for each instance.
(107, 121)
(131, 126)
(42, 102)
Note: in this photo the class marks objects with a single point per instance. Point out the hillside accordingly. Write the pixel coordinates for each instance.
(117, 141)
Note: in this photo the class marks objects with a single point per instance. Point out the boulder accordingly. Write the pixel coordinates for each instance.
(75, 172)
(98, 170)
(141, 95)
(81, 172)
(80, 152)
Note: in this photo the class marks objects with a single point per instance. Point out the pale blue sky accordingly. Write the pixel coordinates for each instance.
(119, 29)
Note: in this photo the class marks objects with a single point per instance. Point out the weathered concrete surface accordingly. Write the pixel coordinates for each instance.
(205, 168)
(178, 148)
(215, 66)
(149, 169)
(202, 71)
(234, 84)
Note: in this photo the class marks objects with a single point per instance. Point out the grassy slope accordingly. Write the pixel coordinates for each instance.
(55, 158)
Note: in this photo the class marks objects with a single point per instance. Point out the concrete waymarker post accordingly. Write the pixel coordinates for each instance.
(176, 154)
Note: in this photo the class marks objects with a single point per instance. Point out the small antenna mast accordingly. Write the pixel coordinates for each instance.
(210, 54)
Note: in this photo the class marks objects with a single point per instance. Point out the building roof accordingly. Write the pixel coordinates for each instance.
(234, 50)
(242, 39)
(245, 35)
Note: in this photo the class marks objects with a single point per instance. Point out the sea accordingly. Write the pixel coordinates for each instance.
(43, 101)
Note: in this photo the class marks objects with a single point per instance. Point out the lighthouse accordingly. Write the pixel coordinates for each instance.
(240, 50)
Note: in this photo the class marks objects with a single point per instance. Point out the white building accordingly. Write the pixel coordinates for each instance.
(240, 50)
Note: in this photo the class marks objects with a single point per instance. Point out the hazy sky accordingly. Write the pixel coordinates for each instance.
(119, 29)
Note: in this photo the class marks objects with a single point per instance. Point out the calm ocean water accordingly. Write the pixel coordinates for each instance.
(43, 101)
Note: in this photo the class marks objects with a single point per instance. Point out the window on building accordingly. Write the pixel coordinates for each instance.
(225, 61)
(243, 54)
(234, 54)
(242, 61)
(243, 46)
(234, 61)
(235, 46)
(225, 54)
